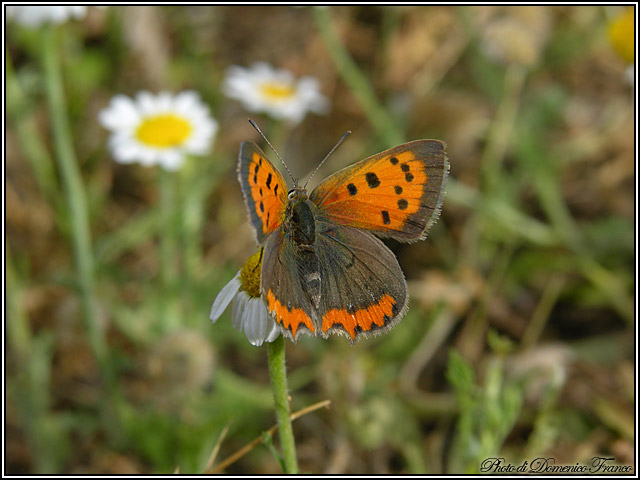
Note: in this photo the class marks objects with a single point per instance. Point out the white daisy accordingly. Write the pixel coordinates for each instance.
(158, 129)
(262, 88)
(248, 311)
(33, 16)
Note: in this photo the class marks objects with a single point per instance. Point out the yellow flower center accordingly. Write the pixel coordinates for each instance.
(250, 275)
(277, 91)
(622, 34)
(164, 131)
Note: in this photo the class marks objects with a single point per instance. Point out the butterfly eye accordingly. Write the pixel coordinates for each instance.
(292, 194)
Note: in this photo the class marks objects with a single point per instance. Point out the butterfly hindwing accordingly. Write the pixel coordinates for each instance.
(397, 193)
(264, 189)
(363, 290)
(288, 285)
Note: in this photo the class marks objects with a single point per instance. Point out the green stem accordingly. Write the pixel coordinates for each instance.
(502, 126)
(195, 185)
(358, 83)
(190, 221)
(168, 247)
(74, 193)
(18, 328)
(278, 373)
(31, 143)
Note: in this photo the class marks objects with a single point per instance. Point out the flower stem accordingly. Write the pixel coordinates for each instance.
(168, 248)
(278, 373)
(75, 197)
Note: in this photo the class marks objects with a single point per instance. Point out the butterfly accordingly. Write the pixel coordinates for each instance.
(324, 269)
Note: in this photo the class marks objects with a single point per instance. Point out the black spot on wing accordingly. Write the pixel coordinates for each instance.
(372, 180)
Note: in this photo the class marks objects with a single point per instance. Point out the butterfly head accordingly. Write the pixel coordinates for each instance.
(297, 194)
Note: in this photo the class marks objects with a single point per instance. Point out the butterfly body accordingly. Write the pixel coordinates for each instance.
(299, 221)
(324, 270)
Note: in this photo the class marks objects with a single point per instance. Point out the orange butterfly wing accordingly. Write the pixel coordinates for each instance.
(264, 190)
(397, 193)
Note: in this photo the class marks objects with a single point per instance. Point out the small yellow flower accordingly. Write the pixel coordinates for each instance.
(262, 88)
(622, 34)
(158, 129)
(248, 311)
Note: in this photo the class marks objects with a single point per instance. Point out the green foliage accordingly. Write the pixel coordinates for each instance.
(488, 412)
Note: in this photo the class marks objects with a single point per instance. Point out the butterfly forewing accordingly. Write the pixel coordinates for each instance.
(397, 193)
(264, 189)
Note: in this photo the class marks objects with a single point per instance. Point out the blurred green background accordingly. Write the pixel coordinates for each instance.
(519, 341)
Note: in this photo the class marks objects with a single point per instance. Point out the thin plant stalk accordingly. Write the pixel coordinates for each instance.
(502, 126)
(29, 138)
(195, 185)
(168, 247)
(278, 373)
(76, 200)
(358, 83)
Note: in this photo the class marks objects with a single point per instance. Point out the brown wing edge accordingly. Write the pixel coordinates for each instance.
(245, 160)
(435, 215)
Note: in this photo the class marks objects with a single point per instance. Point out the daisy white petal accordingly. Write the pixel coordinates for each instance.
(188, 101)
(225, 297)
(273, 331)
(120, 114)
(126, 153)
(238, 307)
(146, 103)
(164, 102)
(252, 321)
(170, 159)
(148, 156)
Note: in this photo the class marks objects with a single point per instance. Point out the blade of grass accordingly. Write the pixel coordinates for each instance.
(75, 196)
(30, 140)
(357, 82)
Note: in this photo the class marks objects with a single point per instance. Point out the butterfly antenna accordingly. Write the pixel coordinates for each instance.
(346, 134)
(255, 125)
